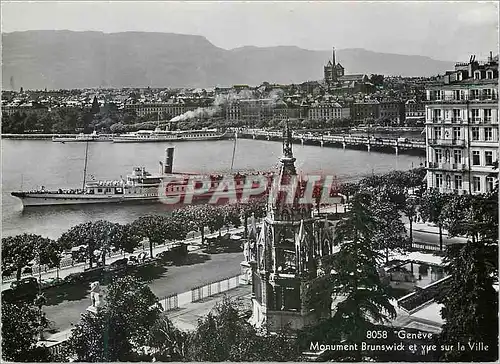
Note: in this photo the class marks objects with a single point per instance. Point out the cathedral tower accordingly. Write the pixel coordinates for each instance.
(333, 71)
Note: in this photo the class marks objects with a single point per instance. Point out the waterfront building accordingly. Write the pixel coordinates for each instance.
(365, 111)
(280, 111)
(24, 108)
(462, 128)
(414, 113)
(327, 111)
(253, 111)
(392, 111)
(286, 255)
(168, 109)
(232, 111)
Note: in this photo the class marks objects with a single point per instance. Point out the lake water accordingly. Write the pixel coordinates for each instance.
(30, 164)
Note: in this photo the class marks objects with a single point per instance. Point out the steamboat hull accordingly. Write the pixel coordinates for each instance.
(49, 199)
(73, 140)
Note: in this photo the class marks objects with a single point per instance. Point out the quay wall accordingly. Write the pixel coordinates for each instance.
(35, 136)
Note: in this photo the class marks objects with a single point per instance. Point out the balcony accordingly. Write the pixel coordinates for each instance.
(447, 142)
(458, 167)
(435, 120)
(446, 100)
(483, 98)
(462, 100)
(447, 166)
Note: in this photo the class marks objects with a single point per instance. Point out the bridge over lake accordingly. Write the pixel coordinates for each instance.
(388, 145)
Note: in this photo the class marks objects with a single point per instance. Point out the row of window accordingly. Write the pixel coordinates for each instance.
(457, 182)
(457, 133)
(457, 95)
(457, 114)
(458, 157)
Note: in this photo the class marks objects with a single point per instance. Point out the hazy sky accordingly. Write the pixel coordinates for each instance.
(442, 30)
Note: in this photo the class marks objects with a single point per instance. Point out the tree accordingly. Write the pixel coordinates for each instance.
(471, 303)
(377, 80)
(201, 217)
(215, 217)
(351, 276)
(119, 328)
(166, 342)
(96, 235)
(20, 329)
(255, 206)
(348, 189)
(410, 210)
(473, 216)
(128, 239)
(432, 204)
(389, 232)
(19, 250)
(223, 335)
(154, 227)
(231, 214)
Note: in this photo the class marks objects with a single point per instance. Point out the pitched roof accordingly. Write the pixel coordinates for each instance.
(358, 77)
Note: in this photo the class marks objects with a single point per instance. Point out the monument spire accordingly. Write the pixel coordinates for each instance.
(287, 142)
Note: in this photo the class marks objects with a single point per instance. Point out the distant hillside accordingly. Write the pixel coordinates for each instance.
(66, 59)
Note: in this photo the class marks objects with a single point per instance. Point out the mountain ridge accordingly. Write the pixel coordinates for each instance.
(56, 59)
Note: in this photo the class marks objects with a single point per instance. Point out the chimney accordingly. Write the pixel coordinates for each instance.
(333, 56)
(169, 160)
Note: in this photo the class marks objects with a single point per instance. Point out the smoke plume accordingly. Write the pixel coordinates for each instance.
(225, 99)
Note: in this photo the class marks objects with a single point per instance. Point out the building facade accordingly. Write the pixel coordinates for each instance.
(365, 111)
(169, 109)
(327, 111)
(392, 111)
(414, 113)
(462, 129)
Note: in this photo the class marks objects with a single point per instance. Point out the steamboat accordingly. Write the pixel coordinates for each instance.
(140, 186)
(94, 137)
(159, 135)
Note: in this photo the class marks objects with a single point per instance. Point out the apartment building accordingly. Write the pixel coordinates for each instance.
(327, 111)
(392, 111)
(414, 112)
(170, 108)
(462, 129)
(365, 111)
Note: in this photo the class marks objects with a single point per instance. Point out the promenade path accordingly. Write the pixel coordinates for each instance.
(193, 244)
(66, 304)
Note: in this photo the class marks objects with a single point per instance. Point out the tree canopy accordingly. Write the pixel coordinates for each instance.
(120, 327)
(19, 250)
(20, 328)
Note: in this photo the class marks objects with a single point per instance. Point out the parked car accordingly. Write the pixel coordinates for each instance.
(403, 140)
(24, 290)
(25, 283)
(119, 264)
(132, 260)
